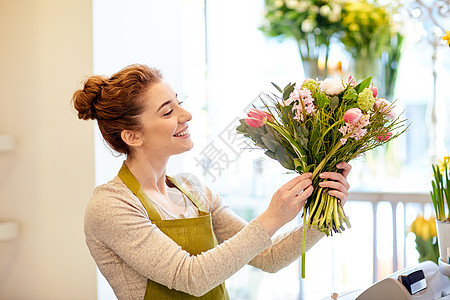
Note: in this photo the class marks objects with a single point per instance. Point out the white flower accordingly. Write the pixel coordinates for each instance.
(307, 25)
(324, 10)
(291, 4)
(314, 9)
(332, 86)
(302, 7)
(335, 13)
(278, 3)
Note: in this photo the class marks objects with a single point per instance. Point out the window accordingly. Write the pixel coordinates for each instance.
(218, 61)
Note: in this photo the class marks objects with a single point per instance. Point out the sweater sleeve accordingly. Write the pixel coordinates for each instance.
(116, 218)
(285, 248)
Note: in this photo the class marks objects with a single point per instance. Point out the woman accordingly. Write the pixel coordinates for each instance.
(156, 237)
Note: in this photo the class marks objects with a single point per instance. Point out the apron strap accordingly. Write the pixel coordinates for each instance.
(188, 193)
(131, 182)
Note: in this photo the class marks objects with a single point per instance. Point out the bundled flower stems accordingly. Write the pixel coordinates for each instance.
(311, 127)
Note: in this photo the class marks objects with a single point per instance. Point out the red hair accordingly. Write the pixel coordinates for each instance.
(116, 102)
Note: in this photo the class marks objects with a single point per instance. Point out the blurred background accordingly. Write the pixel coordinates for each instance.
(218, 56)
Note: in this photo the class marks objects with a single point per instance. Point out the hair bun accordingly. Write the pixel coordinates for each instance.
(84, 100)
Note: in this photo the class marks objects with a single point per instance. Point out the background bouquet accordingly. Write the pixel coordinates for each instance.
(313, 126)
(311, 23)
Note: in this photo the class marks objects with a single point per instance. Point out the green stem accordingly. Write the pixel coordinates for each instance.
(325, 160)
(311, 211)
(305, 225)
(336, 214)
(286, 135)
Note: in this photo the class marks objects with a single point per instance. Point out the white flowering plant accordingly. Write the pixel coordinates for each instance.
(311, 23)
(312, 126)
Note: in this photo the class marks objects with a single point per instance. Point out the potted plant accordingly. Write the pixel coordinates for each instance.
(440, 194)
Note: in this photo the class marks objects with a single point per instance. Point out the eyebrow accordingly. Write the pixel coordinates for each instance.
(164, 104)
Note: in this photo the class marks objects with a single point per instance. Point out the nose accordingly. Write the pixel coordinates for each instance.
(185, 116)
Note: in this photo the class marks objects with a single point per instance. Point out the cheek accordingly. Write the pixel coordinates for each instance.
(165, 129)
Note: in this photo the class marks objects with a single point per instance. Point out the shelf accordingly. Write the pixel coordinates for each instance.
(9, 230)
(7, 142)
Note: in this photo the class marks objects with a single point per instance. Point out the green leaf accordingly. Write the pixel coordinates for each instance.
(277, 87)
(303, 142)
(241, 129)
(270, 154)
(321, 99)
(334, 102)
(363, 84)
(303, 131)
(287, 85)
(283, 158)
(269, 141)
(286, 114)
(288, 90)
(351, 94)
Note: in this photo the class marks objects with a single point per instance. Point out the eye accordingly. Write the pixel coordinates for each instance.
(168, 113)
(180, 103)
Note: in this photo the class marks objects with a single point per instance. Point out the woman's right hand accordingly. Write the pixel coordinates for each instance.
(286, 203)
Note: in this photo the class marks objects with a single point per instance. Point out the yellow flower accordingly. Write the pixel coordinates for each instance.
(424, 228)
(445, 163)
(446, 37)
(353, 27)
(432, 226)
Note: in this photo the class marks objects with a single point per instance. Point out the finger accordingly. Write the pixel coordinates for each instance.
(305, 194)
(334, 188)
(335, 177)
(341, 196)
(334, 185)
(345, 167)
(291, 183)
(301, 186)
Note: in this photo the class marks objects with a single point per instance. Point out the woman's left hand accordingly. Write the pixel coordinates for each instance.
(337, 182)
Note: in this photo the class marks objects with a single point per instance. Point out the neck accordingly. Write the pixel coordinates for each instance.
(150, 173)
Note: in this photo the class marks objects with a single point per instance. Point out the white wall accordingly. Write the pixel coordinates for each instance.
(45, 183)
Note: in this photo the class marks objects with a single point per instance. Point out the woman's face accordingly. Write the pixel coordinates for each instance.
(164, 122)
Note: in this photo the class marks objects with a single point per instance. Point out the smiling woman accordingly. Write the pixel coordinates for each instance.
(157, 237)
(116, 102)
(164, 129)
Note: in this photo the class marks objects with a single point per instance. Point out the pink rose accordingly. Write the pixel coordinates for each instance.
(384, 136)
(374, 91)
(352, 116)
(384, 107)
(257, 118)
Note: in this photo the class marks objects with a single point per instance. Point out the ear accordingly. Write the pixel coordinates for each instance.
(131, 138)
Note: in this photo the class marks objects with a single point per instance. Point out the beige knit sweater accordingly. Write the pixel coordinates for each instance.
(128, 248)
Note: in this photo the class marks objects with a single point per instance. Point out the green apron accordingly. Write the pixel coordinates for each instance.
(195, 235)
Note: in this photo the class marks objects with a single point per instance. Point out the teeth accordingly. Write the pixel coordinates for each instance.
(184, 132)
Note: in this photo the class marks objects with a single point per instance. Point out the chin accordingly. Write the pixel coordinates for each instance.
(185, 148)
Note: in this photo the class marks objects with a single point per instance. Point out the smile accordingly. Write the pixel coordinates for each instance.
(182, 133)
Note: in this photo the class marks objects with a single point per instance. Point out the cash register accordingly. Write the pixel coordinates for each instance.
(425, 281)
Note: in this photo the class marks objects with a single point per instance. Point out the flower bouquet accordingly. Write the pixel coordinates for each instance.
(310, 127)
